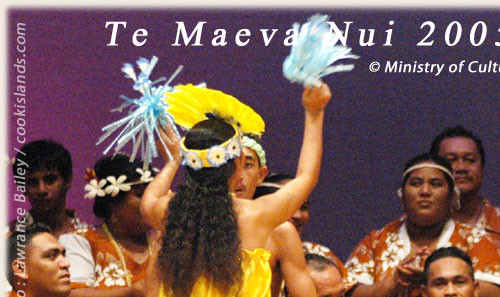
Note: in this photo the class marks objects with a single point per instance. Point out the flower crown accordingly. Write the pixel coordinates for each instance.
(189, 105)
(214, 156)
(95, 187)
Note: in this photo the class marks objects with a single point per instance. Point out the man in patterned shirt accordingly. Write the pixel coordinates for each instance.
(465, 152)
(389, 261)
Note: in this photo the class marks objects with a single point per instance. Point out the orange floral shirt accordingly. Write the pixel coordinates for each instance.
(96, 263)
(377, 255)
(490, 219)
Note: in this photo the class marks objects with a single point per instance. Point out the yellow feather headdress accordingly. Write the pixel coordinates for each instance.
(189, 105)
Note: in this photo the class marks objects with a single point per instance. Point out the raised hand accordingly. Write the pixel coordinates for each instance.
(315, 99)
(172, 141)
(411, 269)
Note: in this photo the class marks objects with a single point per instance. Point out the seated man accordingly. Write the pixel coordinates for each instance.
(388, 262)
(449, 272)
(325, 275)
(36, 265)
(465, 152)
(43, 171)
(287, 259)
(275, 181)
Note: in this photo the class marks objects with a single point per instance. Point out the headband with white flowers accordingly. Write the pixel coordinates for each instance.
(189, 105)
(214, 156)
(96, 187)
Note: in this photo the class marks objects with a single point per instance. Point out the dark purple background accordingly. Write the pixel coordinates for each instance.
(374, 124)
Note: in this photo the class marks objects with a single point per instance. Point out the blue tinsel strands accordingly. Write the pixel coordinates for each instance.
(140, 125)
(314, 51)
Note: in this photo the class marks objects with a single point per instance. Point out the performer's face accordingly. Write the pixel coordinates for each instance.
(450, 277)
(252, 175)
(426, 198)
(465, 160)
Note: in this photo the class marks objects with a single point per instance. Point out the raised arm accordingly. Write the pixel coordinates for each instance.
(291, 261)
(155, 199)
(281, 205)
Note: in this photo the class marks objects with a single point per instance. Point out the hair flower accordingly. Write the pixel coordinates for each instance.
(192, 160)
(145, 175)
(116, 185)
(234, 148)
(94, 189)
(217, 155)
(90, 174)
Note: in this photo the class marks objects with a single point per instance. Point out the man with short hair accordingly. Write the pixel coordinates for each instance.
(449, 272)
(37, 266)
(465, 152)
(326, 276)
(43, 172)
(287, 258)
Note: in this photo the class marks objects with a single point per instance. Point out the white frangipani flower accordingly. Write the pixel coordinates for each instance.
(94, 189)
(116, 185)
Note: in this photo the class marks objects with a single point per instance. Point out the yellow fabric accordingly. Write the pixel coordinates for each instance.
(256, 279)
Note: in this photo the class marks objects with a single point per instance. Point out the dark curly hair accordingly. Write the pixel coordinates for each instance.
(115, 165)
(201, 235)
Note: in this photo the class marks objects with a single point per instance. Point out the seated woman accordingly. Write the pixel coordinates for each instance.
(212, 242)
(389, 261)
(112, 259)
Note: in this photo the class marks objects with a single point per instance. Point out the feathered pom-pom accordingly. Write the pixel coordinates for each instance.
(314, 51)
(140, 125)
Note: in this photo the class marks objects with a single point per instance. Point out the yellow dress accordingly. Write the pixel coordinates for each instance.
(256, 279)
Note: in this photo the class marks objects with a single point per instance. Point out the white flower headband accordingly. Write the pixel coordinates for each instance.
(214, 156)
(96, 187)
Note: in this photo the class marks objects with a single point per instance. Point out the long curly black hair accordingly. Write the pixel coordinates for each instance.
(201, 235)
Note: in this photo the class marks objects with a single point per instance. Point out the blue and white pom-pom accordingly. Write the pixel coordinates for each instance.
(140, 125)
(314, 51)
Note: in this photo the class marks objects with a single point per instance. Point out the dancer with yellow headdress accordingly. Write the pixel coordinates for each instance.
(212, 242)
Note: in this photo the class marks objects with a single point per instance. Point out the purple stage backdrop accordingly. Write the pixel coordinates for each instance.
(376, 121)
